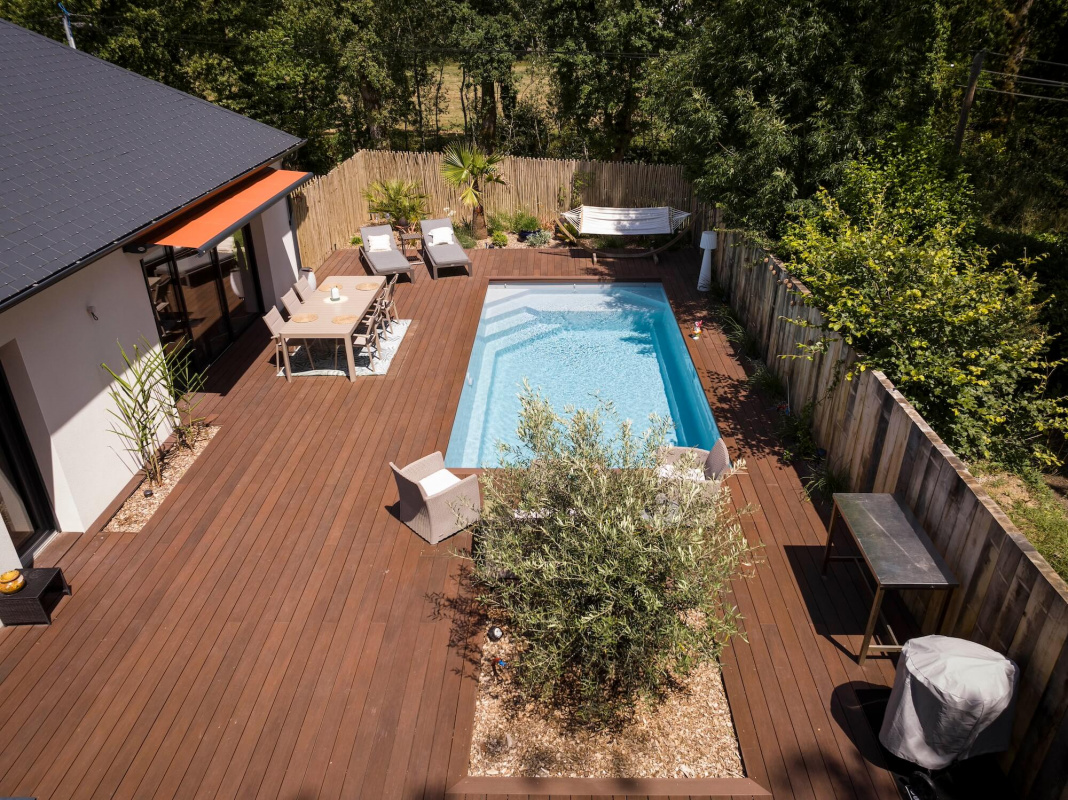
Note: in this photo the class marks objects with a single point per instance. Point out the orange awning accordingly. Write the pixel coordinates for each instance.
(208, 223)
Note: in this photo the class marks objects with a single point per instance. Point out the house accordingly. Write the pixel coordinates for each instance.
(128, 211)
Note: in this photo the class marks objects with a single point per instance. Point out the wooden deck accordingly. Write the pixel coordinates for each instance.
(274, 632)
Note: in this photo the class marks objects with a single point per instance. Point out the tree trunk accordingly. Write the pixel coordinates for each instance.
(372, 103)
(478, 218)
(463, 99)
(623, 122)
(1019, 36)
(488, 133)
(417, 74)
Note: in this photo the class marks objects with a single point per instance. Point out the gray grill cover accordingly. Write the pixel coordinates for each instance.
(952, 699)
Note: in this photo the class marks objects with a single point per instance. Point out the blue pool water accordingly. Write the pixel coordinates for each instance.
(571, 341)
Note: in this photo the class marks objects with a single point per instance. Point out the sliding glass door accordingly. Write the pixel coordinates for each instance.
(24, 504)
(204, 299)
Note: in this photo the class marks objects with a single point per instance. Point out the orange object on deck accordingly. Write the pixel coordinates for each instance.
(210, 221)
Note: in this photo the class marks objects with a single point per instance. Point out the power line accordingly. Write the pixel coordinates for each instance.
(1034, 60)
(1028, 78)
(1017, 94)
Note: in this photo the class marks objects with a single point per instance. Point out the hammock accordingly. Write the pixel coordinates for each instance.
(599, 221)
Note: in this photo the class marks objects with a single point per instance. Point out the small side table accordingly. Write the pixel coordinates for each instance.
(34, 603)
(412, 239)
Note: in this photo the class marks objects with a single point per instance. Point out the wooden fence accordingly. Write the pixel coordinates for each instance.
(330, 209)
(1010, 599)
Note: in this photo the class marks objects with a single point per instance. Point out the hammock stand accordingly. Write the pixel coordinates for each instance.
(600, 221)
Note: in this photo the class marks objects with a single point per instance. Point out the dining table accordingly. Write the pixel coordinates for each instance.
(322, 317)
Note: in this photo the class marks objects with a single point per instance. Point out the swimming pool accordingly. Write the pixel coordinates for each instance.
(619, 340)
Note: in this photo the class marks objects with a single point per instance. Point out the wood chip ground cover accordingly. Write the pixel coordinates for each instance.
(135, 513)
(689, 735)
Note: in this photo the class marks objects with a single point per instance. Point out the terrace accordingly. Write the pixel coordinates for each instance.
(276, 632)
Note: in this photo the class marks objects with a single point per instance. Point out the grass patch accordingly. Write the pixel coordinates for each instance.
(465, 235)
(765, 380)
(1034, 508)
(825, 481)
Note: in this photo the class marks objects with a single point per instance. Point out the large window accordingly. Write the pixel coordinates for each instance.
(204, 299)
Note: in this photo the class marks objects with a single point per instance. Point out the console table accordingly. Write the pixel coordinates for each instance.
(896, 550)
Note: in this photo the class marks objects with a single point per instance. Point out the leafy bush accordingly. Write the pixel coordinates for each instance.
(356, 241)
(539, 239)
(499, 239)
(521, 220)
(398, 199)
(611, 580)
(892, 264)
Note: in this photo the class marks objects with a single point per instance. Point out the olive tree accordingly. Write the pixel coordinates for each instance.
(611, 575)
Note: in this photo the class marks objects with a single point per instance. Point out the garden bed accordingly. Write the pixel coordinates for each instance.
(137, 510)
(690, 734)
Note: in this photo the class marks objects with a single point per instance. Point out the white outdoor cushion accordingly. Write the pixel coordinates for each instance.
(441, 236)
(669, 471)
(379, 244)
(438, 481)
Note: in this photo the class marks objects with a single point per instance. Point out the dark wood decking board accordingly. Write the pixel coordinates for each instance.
(274, 632)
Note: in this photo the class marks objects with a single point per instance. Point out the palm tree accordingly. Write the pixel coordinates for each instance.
(471, 170)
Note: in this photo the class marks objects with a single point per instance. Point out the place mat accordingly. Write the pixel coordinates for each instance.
(345, 319)
(327, 287)
(367, 287)
(304, 318)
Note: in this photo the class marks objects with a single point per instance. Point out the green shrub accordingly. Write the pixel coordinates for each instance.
(893, 266)
(539, 239)
(515, 222)
(611, 580)
(356, 241)
(499, 239)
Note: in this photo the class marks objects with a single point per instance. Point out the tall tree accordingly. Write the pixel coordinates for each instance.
(599, 52)
(768, 100)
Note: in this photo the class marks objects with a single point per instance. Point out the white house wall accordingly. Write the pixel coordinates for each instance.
(52, 350)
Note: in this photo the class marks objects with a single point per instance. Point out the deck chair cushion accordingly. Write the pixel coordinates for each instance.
(438, 482)
(388, 261)
(447, 255)
(441, 236)
(379, 244)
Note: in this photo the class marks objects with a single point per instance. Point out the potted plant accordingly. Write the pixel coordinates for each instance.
(399, 200)
(525, 225)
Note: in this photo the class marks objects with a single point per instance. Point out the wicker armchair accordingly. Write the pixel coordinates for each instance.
(450, 505)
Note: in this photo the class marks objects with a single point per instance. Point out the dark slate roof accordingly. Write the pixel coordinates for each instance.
(91, 153)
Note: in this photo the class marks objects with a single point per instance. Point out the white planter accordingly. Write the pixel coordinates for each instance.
(310, 275)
